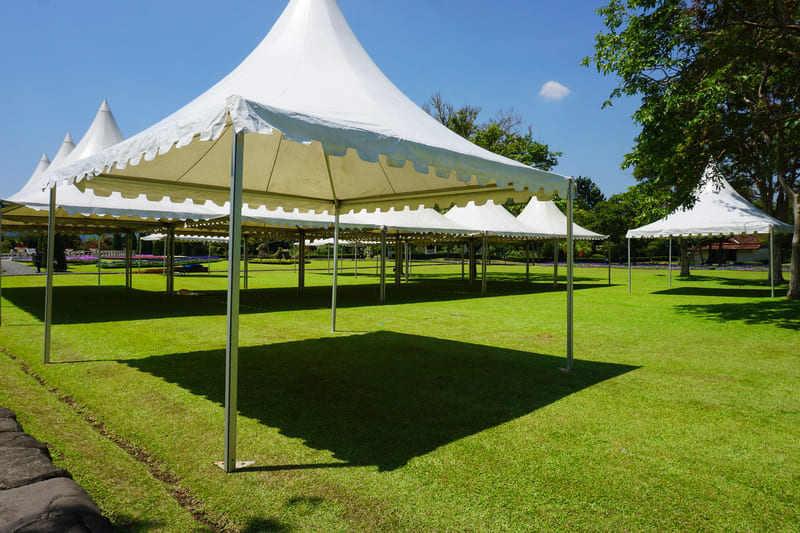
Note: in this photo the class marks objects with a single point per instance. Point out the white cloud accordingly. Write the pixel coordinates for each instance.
(552, 90)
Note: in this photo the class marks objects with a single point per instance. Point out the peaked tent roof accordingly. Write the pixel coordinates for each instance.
(718, 210)
(545, 217)
(423, 220)
(85, 209)
(335, 131)
(494, 219)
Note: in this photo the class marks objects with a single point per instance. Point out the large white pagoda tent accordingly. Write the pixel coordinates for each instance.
(718, 210)
(306, 121)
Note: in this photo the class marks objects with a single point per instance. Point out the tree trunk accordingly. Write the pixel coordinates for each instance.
(777, 259)
(685, 260)
(794, 274)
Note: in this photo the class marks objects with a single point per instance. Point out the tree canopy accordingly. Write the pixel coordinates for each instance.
(718, 79)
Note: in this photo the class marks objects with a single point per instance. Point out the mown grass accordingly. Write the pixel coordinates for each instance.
(440, 411)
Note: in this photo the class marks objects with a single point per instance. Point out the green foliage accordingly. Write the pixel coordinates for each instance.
(500, 135)
(718, 80)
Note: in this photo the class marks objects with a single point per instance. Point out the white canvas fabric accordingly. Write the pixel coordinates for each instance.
(494, 219)
(75, 207)
(323, 126)
(421, 220)
(718, 210)
(546, 218)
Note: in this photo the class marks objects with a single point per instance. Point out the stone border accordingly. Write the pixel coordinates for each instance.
(36, 495)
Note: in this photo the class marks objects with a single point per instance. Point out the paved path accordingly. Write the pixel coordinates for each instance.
(12, 268)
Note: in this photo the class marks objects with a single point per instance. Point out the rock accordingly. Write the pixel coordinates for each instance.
(23, 466)
(9, 424)
(12, 439)
(5, 412)
(53, 506)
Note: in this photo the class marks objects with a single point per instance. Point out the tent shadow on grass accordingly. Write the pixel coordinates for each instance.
(90, 303)
(779, 311)
(381, 398)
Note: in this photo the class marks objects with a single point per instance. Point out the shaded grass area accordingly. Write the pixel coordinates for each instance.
(380, 398)
(442, 411)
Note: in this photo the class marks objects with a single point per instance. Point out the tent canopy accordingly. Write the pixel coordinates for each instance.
(718, 210)
(545, 217)
(493, 219)
(324, 129)
(85, 210)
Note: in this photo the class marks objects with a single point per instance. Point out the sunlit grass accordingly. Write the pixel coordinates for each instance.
(439, 411)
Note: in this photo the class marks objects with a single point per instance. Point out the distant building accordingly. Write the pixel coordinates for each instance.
(738, 249)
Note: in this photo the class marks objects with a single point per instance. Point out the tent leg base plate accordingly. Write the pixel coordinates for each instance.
(239, 464)
(565, 369)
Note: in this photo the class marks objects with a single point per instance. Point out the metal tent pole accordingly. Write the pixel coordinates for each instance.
(629, 266)
(335, 267)
(669, 262)
(570, 268)
(527, 260)
(355, 260)
(170, 268)
(128, 260)
(232, 341)
(398, 261)
(383, 265)
(244, 257)
(301, 265)
(98, 259)
(555, 262)
(48, 294)
(485, 246)
(608, 245)
(771, 264)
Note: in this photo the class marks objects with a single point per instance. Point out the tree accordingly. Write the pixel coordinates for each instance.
(587, 193)
(717, 79)
(500, 134)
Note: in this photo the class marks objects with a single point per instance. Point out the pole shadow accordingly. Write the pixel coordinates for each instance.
(381, 398)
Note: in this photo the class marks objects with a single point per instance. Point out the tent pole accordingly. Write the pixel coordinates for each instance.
(139, 253)
(669, 262)
(48, 295)
(170, 268)
(609, 262)
(629, 266)
(771, 263)
(98, 259)
(383, 265)
(128, 260)
(335, 266)
(555, 263)
(398, 261)
(407, 260)
(461, 249)
(244, 257)
(527, 260)
(355, 260)
(232, 344)
(301, 265)
(570, 268)
(485, 246)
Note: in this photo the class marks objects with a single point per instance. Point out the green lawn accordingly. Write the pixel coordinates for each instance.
(439, 411)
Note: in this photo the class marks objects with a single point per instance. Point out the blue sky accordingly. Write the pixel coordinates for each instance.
(149, 57)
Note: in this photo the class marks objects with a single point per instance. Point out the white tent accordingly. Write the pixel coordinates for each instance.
(543, 216)
(493, 220)
(306, 121)
(718, 210)
(75, 208)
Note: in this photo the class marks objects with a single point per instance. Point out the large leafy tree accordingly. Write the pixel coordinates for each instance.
(718, 79)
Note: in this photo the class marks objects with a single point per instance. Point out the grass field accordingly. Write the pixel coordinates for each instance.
(439, 411)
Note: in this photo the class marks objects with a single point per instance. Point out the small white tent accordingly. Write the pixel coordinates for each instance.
(718, 210)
